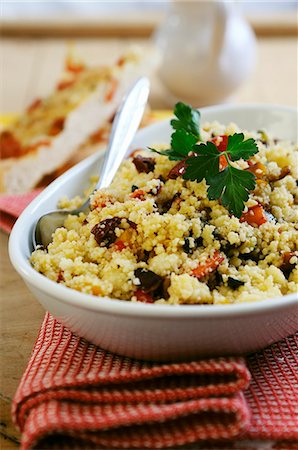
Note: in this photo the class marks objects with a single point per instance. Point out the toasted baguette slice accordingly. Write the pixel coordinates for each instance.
(51, 130)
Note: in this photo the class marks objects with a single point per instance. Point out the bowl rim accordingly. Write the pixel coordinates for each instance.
(127, 308)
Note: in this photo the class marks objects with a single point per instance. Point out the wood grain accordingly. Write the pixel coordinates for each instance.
(21, 316)
(133, 25)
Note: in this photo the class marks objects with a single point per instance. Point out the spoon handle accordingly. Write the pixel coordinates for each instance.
(124, 127)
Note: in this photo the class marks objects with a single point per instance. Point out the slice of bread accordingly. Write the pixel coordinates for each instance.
(46, 136)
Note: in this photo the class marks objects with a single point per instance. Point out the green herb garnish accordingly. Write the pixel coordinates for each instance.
(231, 185)
(188, 119)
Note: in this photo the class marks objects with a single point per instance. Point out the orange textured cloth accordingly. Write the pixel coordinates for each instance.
(76, 395)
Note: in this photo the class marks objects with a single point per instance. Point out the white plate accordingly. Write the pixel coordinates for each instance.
(159, 331)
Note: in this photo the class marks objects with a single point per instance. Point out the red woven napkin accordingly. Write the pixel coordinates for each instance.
(11, 206)
(75, 394)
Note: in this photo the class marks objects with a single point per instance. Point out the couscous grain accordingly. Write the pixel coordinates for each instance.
(156, 238)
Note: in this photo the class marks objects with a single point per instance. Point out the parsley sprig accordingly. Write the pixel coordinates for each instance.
(231, 185)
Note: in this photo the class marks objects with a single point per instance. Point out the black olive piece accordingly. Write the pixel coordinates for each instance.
(162, 290)
(134, 188)
(233, 283)
(143, 255)
(149, 280)
(215, 280)
(186, 247)
(297, 183)
(144, 164)
(162, 179)
(199, 241)
(253, 256)
(166, 206)
(287, 268)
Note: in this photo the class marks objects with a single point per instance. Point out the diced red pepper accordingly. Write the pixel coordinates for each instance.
(209, 266)
(119, 245)
(255, 216)
(222, 162)
(221, 143)
(138, 193)
(258, 169)
(288, 255)
(143, 296)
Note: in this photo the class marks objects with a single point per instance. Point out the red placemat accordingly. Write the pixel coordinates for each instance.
(76, 394)
(11, 206)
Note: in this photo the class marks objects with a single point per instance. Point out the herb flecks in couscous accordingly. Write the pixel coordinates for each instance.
(155, 237)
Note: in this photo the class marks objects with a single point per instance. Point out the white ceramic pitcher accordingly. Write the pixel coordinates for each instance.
(207, 50)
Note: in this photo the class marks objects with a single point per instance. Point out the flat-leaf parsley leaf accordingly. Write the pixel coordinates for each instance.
(231, 185)
(188, 119)
(204, 164)
(239, 148)
(181, 145)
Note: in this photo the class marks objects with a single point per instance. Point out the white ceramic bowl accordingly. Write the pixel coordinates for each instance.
(149, 331)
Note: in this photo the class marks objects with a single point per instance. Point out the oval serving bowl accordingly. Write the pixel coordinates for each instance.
(159, 332)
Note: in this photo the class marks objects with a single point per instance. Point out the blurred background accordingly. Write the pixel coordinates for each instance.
(204, 52)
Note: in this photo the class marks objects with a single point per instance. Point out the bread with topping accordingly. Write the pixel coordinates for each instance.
(51, 130)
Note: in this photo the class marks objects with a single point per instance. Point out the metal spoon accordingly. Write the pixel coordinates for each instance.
(124, 127)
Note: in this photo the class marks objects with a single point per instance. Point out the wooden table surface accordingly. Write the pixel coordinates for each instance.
(29, 69)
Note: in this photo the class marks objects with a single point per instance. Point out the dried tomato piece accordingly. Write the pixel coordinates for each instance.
(258, 169)
(221, 143)
(104, 231)
(209, 266)
(283, 173)
(144, 164)
(10, 146)
(149, 280)
(143, 296)
(178, 170)
(287, 266)
(138, 193)
(167, 205)
(119, 245)
(255, 216)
